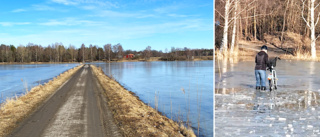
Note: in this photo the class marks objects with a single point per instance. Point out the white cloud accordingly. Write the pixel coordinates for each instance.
(66, 2)
(116, 14)
(177, 15)
(69, 22)
(19, 10)
(89, 7)
(167, 9)
(79, 2)
(43, 7)
(6, 24)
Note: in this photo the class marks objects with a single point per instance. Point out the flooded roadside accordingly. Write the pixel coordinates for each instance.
(240, 110)
(17, 78)
(181, 90)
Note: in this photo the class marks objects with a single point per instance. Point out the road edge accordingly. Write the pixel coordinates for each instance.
(132, 116)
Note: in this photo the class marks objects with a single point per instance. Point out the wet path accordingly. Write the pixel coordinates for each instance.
(240, 110)
(74, 110)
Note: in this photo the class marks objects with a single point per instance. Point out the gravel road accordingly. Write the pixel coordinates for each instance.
(78, 108)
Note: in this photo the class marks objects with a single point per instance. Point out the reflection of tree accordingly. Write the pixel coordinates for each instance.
(309, 93)
(148, 67)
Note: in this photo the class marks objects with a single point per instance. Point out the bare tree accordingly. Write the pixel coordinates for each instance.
(72, 52)
(90, 47)
(83, 48)
(107, 50)
(147, 53)
(311, 24)
(235, 16)
(115, 50)
(188, 52)
(21, 53)
(224, 43)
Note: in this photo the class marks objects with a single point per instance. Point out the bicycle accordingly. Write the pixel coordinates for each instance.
(272, 77)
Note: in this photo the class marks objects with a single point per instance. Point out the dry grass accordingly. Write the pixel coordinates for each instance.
(236, 55)
(196, 58)
(133, 117)
(3, 63)
(300, 54)
(14, 110)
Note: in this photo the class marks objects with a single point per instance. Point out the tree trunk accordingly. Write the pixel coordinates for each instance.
(284, 23)
(234, 27)
(308, 19)
(246, 27)
(312, 28)
(224, 44)
(255, 24)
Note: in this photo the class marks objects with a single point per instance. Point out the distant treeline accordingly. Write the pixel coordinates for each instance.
(59, 53)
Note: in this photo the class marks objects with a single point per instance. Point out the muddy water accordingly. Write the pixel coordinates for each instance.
(294, 109)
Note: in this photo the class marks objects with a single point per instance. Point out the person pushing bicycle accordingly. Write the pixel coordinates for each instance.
(261, 60)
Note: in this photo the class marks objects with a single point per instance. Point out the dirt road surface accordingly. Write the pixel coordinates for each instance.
(77, 109)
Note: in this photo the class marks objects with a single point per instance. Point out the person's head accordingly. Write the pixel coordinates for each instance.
(264, 48)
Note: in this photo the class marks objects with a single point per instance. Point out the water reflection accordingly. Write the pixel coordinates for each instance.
(293, 111)
(165, 81)
(15, 79)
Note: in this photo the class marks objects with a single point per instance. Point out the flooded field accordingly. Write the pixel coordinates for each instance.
(181, 90)
(240, 110)
(15, 79)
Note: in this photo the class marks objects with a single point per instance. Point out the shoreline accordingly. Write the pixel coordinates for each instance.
(29, 63)
(204, 58)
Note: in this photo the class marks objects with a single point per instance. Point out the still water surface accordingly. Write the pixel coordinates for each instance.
(14, 78)
(187, 85)
(240, 110)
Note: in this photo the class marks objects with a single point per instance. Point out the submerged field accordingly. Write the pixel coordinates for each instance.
(16, 78)
(181, 90)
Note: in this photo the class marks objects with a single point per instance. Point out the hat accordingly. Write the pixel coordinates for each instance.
(264, 47)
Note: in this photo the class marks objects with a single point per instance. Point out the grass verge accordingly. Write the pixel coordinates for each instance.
(133, 117)
(14, 110)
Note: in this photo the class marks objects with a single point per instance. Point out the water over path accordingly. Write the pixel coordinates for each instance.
(240, 110)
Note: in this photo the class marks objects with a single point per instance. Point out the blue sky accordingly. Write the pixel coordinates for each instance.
(135, 24)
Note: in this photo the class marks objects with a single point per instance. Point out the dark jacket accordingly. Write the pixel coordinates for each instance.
(261, 61)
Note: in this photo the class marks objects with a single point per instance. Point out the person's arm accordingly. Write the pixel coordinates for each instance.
(255, 61)
(266, 59)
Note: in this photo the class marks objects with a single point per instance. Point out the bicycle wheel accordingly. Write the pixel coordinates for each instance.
(271, 85)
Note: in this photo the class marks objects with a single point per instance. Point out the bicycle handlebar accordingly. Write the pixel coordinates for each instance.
(272, 63)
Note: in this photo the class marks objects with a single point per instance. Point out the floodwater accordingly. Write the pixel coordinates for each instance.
(179, 86)
(293, 110)
(16, 78)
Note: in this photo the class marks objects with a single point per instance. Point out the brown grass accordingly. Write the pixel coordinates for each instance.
(236, 55)
(300, 54)
(36, 62)
(14, 110)
(133, 117)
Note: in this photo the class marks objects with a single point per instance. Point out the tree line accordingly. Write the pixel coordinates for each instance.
(57, 52)
(252, 19)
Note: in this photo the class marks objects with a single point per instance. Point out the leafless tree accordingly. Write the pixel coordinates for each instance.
(107, 50)
(83, 48)
(311, 24)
